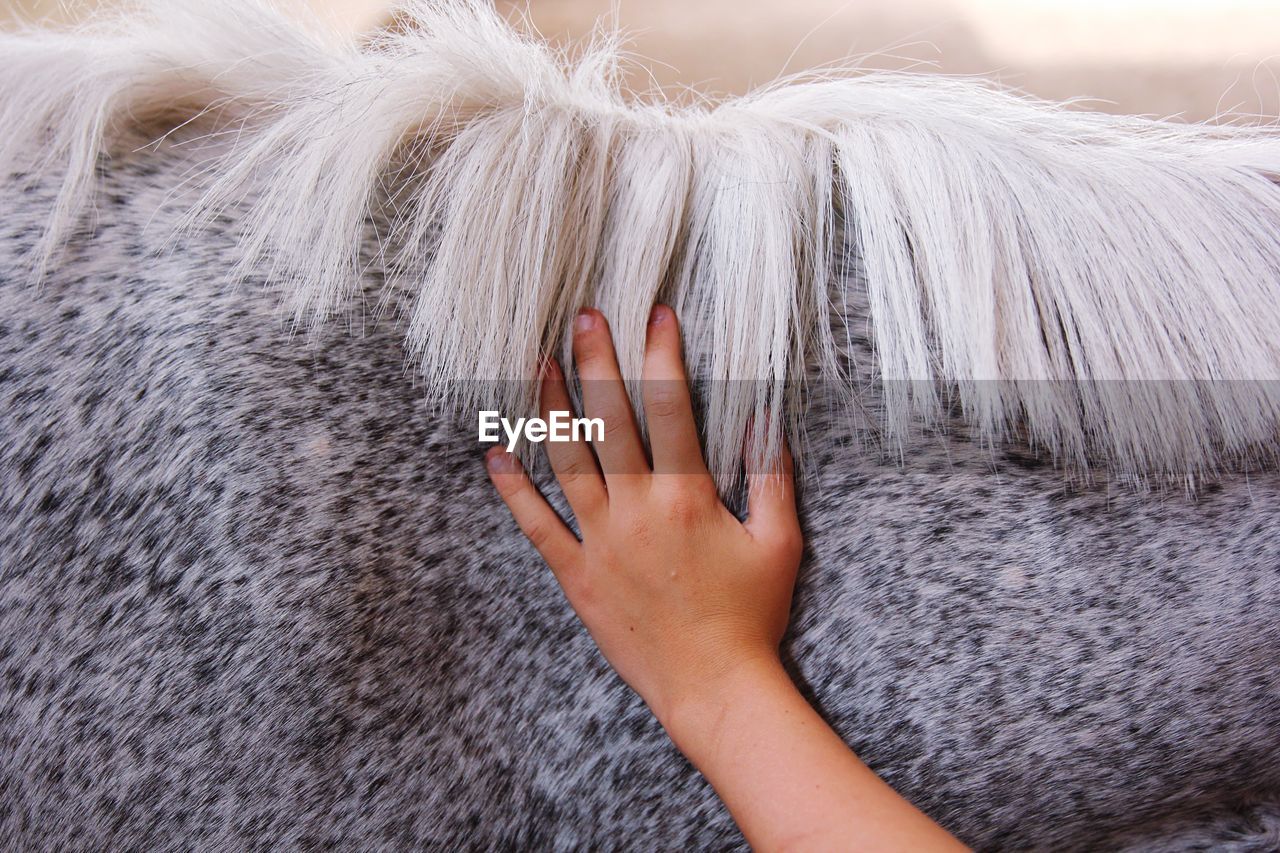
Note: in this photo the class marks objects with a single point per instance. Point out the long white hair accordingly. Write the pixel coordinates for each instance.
(1009, 246)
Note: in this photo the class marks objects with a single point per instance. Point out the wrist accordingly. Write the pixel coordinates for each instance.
(696, 719)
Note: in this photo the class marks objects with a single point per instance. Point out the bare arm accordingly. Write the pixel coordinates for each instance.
(689, 605)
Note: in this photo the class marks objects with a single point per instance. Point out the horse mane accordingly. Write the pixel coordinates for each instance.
(1107, 287)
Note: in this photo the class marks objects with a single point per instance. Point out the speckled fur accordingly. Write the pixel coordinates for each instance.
(253, 593)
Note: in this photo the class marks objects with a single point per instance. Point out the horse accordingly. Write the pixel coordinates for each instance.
(255, 282)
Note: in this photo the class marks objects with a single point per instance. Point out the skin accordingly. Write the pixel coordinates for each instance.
(689, 605)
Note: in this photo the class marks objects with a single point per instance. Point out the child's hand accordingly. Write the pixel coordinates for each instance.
(678, 594)
(689, 605)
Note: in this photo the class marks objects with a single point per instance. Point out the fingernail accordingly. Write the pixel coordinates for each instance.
(500, 461)
(586, 320)
(657, 315)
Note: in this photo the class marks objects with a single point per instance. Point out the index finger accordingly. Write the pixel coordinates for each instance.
(771, 498)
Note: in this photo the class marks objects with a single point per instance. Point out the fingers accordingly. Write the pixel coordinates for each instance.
(673, 435)
(604, 396)
(575, 467)
(771, 500)
(538, 521)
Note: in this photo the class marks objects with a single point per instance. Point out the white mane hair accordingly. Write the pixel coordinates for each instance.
(1108, 287)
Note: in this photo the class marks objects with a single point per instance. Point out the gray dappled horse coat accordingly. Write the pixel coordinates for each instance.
(255, 591)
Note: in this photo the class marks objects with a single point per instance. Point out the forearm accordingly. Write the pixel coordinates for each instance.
(786, 777)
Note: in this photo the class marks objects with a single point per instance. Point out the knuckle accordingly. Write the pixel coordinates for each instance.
(587, 350)
(685, 507)
(572, 473)
(682, 513)
(705, 488)
(663, 403)
(538, 533)
(789, 545)
(696, 490)
(615, 421)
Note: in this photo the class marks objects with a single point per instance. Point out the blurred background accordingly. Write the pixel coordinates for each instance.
(1189, 58)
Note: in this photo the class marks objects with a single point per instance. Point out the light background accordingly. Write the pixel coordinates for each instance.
(1193, 58)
